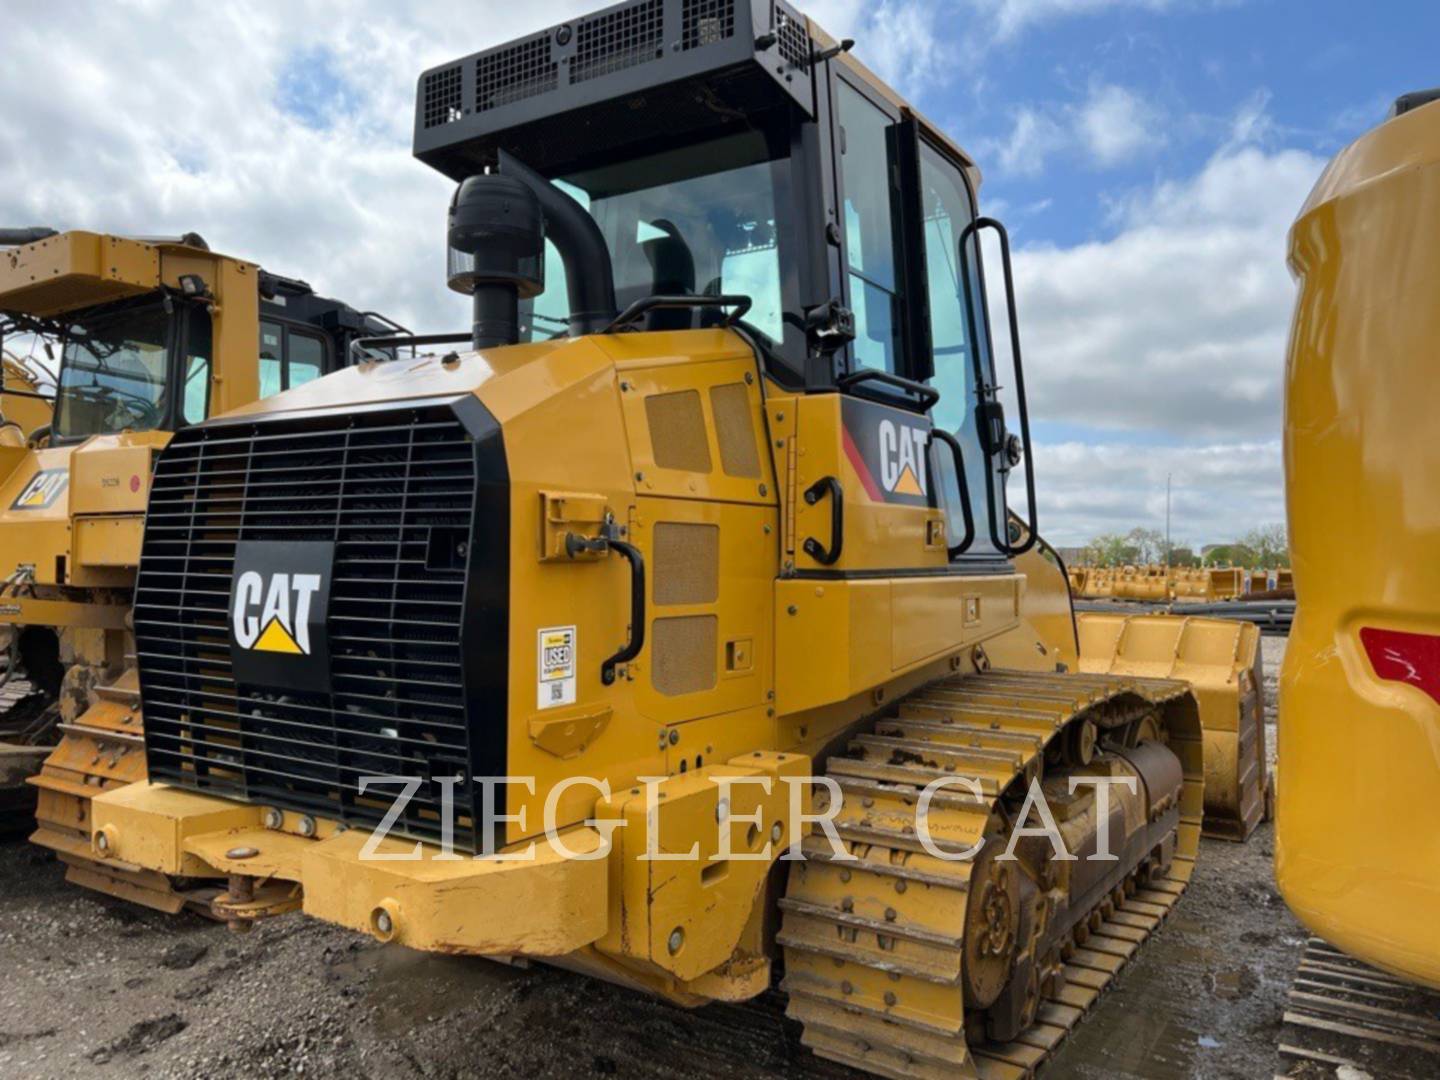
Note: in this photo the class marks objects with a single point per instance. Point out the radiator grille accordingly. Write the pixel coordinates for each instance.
(395, 492)
(441, 96)
(515, 73)
(704, 22)
(618, 40)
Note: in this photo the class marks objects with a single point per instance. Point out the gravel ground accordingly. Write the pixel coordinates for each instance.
(91, 987)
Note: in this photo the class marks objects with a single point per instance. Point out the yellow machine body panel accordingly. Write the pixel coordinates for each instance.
(76, 269)
(1358, 839)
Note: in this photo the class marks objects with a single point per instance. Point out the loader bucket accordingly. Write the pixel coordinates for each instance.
(1220, 659)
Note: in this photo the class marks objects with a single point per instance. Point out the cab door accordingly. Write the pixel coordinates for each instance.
(875, 521)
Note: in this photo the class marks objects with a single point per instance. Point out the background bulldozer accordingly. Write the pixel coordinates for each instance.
(152, 335)
(702, 539)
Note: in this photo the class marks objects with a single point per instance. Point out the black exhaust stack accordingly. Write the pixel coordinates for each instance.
(497, 253)
(589, 277)
(499, 222)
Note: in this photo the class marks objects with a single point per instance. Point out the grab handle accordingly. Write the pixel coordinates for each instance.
(827, 485)
(577, 545)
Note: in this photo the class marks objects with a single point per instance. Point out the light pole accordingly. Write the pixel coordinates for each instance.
(1167, 522)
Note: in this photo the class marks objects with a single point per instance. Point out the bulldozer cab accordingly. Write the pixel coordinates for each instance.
(150, 335)
(153, 363)
(741, 151)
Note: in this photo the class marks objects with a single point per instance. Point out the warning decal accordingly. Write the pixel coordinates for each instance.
(557, 667)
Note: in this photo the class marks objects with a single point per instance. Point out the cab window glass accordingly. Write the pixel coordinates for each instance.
(272, 353)
(195, 400)
(946, 211)
(870, 229)
(304, 360)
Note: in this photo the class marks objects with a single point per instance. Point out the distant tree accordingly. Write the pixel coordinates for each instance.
(1269, 546)
(1230, 555)
(1183, 556)
(1149, 545)
(1109, 549)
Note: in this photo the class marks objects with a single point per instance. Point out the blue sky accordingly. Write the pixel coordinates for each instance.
(1148, 156)
(1318, 72)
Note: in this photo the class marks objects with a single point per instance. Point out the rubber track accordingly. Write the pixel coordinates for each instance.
(873, 947)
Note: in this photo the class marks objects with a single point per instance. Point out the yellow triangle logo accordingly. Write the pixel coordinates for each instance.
(276, 639)
(907, 484)
(35, 498)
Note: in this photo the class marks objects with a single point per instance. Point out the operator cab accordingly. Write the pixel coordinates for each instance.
(738, 151)
(144, 364)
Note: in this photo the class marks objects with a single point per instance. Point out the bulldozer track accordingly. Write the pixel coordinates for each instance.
(875, 947)
(102, 749)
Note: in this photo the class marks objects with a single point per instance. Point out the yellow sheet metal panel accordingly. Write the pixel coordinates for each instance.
(75, 269)
(1358, 837)
(687, 916)
(108, 542)
(110, 474)
(1045, 603)
(876, 455)
(675, 440)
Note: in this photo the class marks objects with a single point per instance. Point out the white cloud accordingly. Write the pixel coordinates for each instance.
(1177, 323)
(1176, 327)
(1110, 126)
(1116, 124)
(1032, 140)
(1220, 491)
(110, 123)
(902, 40)
(1010, 18)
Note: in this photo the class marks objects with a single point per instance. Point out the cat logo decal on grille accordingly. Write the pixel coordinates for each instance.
(283, 613)
(279, 601)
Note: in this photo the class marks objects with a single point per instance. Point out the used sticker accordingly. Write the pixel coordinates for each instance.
(557, 667)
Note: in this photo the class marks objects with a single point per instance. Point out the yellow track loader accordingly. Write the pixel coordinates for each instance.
(673, 628)
(153, 335)
(1360, 688)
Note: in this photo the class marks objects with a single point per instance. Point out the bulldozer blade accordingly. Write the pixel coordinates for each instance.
(1220, 659)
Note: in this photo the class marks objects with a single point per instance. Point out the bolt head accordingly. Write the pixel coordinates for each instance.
(776, 832)
(102, 842)
(307, 826)
(677, 939)
(274, 818)
(383, 922)
(242, 853)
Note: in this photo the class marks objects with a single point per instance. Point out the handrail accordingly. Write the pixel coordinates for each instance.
(646, 304)
(990, 413)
